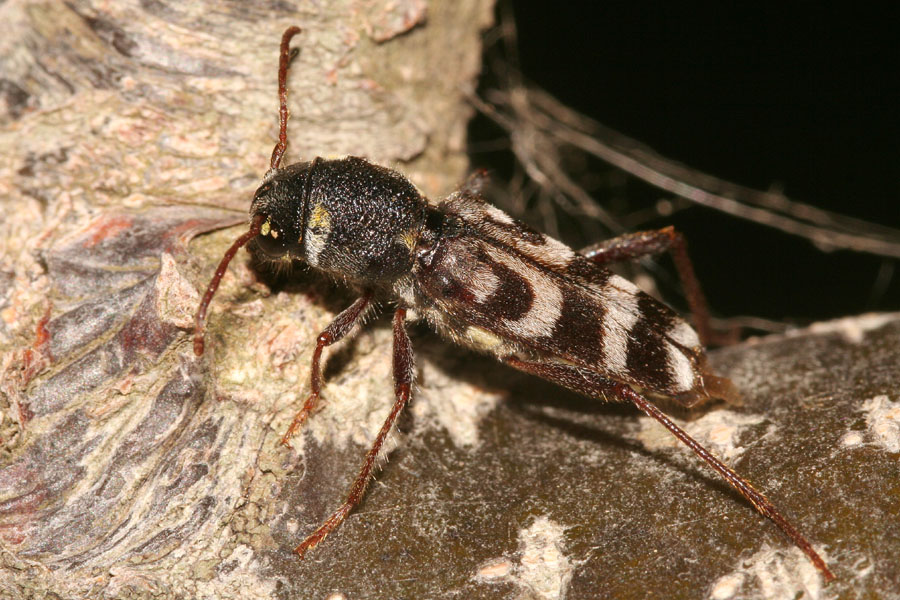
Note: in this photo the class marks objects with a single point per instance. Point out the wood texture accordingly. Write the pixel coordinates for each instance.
(129, 467)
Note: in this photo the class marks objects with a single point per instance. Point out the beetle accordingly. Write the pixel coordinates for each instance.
(486, 281)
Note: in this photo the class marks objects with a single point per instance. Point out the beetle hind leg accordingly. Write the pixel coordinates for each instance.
(591, 384)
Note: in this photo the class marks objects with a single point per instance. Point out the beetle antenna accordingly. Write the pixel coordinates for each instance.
(283, 64)
(200, 317)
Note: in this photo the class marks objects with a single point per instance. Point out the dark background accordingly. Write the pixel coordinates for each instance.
(796, 97)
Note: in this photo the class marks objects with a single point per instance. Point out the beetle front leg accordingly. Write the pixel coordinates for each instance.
(336, 331)
(403, 379)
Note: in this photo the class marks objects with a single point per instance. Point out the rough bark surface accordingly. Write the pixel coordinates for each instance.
(131, 469)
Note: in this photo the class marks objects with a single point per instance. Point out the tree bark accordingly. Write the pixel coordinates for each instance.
(131, 468)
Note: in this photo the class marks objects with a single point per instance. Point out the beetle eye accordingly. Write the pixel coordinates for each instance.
(271, 240)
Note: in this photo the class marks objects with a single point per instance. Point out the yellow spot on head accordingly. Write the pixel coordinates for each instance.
(266, 228)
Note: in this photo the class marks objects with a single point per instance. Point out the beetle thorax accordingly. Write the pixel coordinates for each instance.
(347, 217)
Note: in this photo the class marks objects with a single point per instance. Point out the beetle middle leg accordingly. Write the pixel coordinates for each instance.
(636, 245)
(403, 378)
(336, 331)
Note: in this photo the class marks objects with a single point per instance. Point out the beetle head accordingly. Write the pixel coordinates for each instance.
(280, 203)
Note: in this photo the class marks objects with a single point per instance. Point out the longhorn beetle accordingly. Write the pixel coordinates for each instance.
(488, 282)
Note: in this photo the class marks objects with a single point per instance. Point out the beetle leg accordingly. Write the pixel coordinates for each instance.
(475, 184)
(338, 328)
(632, 246)
(591, 384)
(403, 379)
